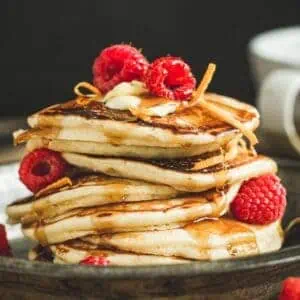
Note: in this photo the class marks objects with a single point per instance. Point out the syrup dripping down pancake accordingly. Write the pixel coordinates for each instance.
(204, 240)
(207, 239)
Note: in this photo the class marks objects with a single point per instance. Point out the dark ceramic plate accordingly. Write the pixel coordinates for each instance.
(256, 277)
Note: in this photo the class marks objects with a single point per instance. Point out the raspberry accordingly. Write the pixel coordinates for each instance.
(260, 200)
(290, 289)
(116, 64)
(40, 168)
(171, 78)
(95, 261)
(4, 246)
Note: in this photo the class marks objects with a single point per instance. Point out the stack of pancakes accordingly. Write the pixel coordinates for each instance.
(153, 191)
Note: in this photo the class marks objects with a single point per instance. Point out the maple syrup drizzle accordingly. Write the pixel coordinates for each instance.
(221, 176)
(235, 235)
(220, 203)
(40, 234)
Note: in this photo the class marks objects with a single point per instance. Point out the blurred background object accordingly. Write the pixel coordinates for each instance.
(48, 46)
(9, 153)
(274, 60)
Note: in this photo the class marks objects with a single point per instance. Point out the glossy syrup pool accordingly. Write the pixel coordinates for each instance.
(11, 189)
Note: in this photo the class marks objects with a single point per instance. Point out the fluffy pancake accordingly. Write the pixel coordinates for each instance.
(184, 174)
(137, 216)
(85, 191)
(154, 139)
(206, 239)
(92, 121)
(73, 252)
(105, 149)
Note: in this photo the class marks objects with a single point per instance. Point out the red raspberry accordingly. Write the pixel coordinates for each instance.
(290, 289)
(260, 200)
(95, 261)
(4, 246)
(171, 78)
(116, 64)
(40, 168)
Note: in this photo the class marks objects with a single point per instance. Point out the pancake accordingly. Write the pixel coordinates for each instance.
(186, 174)
(105, 149)
(207, 159)
(90, 134)
(87, 120)
(207, 239)
(73, 252)
(86, 190)
(137, 216)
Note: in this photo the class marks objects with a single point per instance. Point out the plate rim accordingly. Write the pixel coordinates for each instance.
(198, 268)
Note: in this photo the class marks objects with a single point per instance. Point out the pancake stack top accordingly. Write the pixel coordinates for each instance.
(129, 174)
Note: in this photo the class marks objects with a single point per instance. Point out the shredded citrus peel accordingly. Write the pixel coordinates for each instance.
(198, 97)
(209, 162)
(228, 153)
(218, 112)
(227, 117)
(212, 108)
(94, 92)
(197, 100)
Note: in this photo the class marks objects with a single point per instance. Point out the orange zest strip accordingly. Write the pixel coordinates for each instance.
(227, 117)
(218, 112)
(94, 92)
(206, 80)
(199, 94)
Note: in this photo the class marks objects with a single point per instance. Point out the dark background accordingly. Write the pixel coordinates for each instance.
(49, 46)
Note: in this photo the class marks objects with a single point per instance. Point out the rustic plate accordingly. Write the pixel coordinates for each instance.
(256, 277)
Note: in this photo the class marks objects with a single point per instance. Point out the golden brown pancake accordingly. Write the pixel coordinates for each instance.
(185, 174)
(134, 216)
(188, 121)
(91, 121)
(73, 252)
(207, 239)
(85, 190)
(105, 149)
